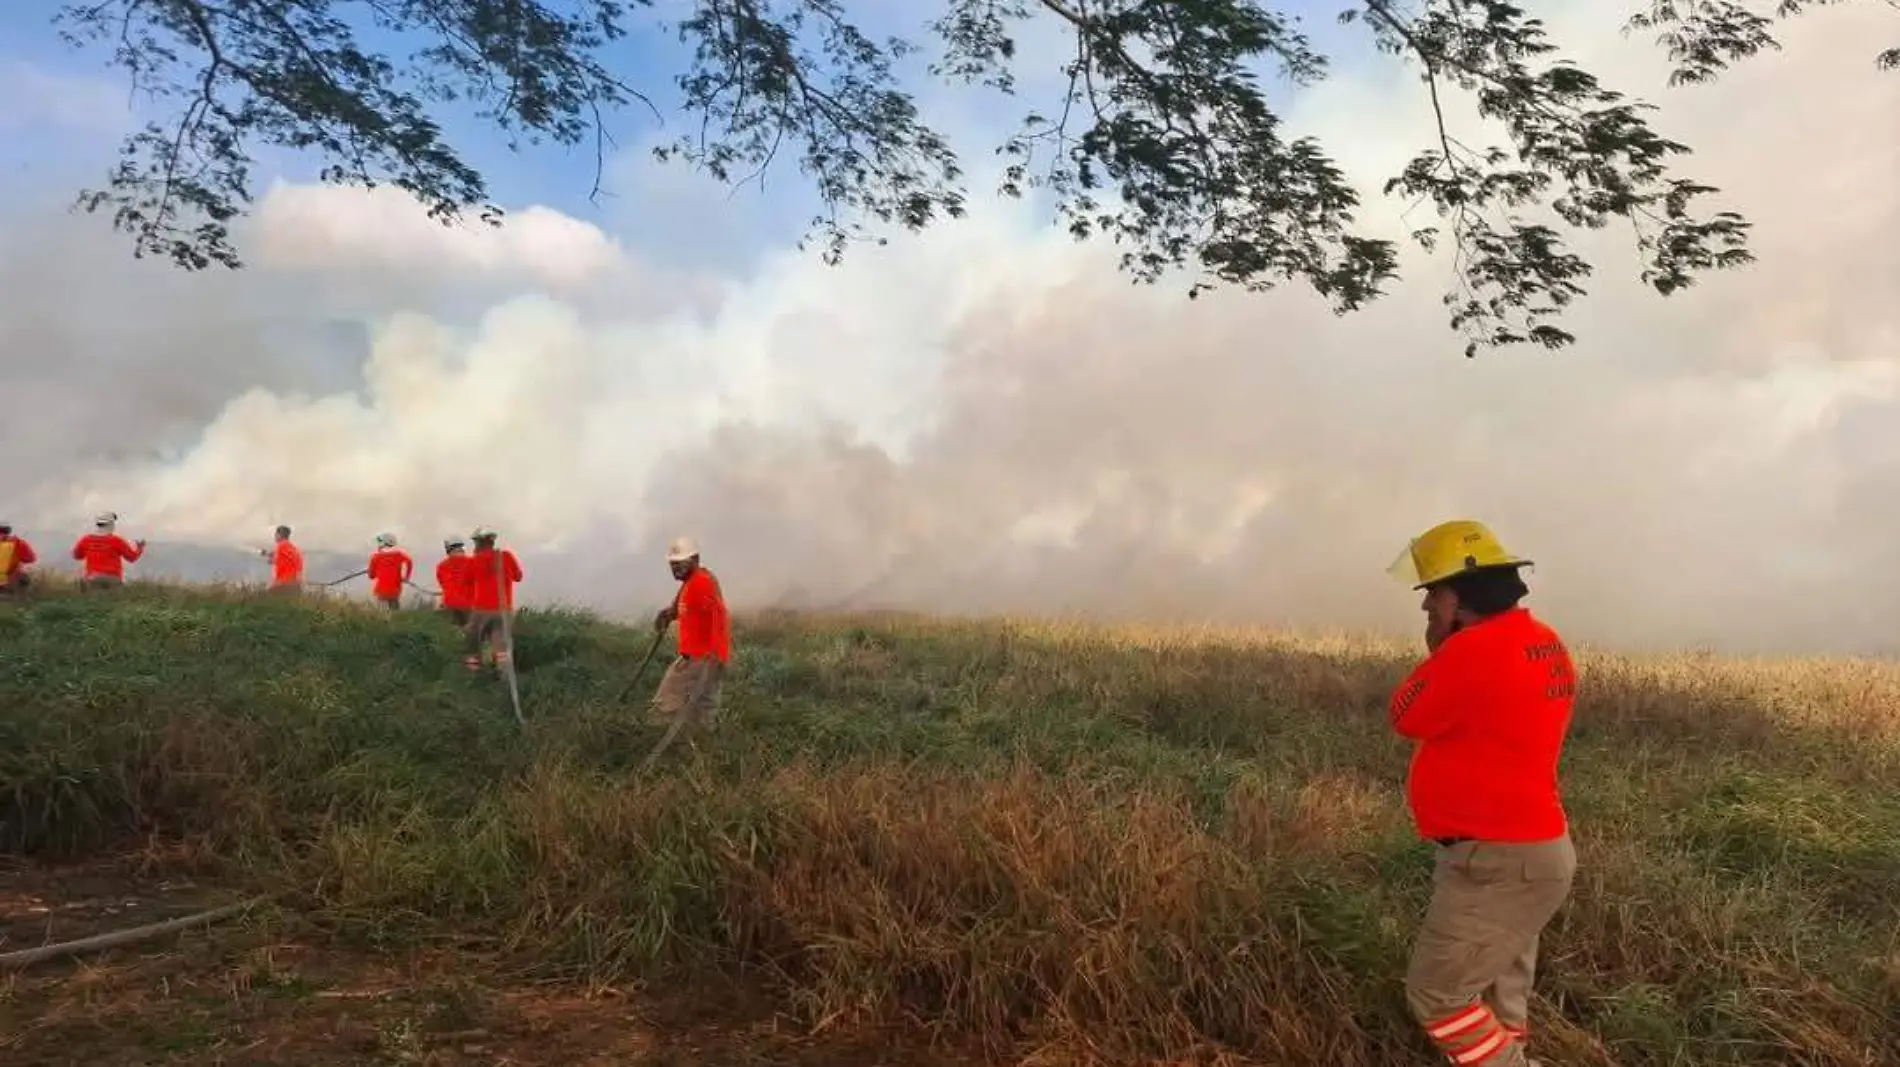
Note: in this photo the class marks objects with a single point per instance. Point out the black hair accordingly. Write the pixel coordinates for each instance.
(1489, 591)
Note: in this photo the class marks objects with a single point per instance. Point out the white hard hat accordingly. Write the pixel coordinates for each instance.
(387, 540)
(105, 518)
(483, 533)
(682, 548)
(452, 544)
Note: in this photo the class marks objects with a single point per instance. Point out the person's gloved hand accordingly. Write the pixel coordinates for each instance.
(662, 619)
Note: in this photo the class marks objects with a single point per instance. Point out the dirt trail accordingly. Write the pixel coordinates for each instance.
(245, 994)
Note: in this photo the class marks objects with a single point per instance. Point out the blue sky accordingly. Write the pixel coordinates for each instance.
(52, 154)
(51, 151)
(551, 175)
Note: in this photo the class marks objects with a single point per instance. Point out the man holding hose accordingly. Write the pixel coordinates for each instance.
(452, 577)
(1488, 710)
(492, 573)
(389, 568)
(690, 686)
(286, 563)
(103, 554)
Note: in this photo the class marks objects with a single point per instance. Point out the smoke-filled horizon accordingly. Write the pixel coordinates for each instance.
(988, 418)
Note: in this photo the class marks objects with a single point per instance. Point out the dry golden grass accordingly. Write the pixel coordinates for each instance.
(1067, 844)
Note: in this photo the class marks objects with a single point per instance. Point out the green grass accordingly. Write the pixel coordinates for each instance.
(1111, 843)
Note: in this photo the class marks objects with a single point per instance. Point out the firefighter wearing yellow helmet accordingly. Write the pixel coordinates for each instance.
(1487, 711)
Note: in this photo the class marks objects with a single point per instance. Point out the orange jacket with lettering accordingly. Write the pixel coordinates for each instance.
(486, 593)
(388, 569)
(451, 576)
(105, 555)
(286, 564)
(19, 556)
(705, 625)
(1489, 711)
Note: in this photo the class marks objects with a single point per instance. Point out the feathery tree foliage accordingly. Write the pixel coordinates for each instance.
(1165, 140)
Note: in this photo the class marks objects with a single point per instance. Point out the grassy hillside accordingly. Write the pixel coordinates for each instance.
(1115, 844)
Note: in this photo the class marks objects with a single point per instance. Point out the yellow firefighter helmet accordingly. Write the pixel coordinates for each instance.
(1450, 549)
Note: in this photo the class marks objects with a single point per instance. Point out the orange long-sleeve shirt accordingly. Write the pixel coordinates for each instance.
(486, 592)
(705, 625)
(17, 552)
(452, 577)
(388, 569)
(1490, 710)
(286, 564)
(105, 555)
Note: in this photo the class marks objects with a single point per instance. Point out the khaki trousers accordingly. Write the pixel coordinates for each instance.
(1475, 959)
(484, 634)
(690, 687)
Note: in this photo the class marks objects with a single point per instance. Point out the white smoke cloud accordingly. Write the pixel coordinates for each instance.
(305, 229)
(988, 418)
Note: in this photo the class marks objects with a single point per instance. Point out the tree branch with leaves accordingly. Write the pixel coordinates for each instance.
(1166, 139)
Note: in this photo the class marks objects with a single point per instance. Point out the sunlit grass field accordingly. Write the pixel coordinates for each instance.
(1046, 843)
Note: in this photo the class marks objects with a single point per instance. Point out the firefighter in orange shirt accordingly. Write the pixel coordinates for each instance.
(103, 554)
(690, 686)
(389, 567)
(1488, 711)
(15, 555)
(452, 577)
(492, 574)
(286, 564)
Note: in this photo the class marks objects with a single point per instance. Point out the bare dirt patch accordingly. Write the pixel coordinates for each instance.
(249, 994)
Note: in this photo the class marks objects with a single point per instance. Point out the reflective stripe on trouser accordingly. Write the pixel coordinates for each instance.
(1472, 1036)
(690, 687)
(1476, 955)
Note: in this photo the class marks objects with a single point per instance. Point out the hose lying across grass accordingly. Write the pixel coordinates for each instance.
(31, 956)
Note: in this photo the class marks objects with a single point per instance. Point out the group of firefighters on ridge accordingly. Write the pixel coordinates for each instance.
(101, 554)
(1488, 711)
(476, 591)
